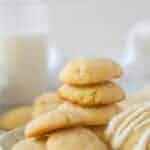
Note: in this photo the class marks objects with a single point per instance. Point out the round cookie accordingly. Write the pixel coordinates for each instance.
(90, 71)
(68, 115)
(29, 144)
(131, 128)
(45, 103)
(93, 95)
(16, 117)
(99, 131)
(75, 139)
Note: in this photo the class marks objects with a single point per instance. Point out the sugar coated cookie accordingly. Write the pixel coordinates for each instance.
(105, 93)
(75, 139)
(68, 115)
(90, 71)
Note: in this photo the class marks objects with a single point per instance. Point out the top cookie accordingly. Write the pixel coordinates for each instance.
(90, 71)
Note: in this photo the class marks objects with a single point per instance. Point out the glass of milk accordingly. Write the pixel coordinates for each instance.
(23, 51)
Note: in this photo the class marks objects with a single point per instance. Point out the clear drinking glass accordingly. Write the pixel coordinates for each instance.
(23, 50)
(138, 44)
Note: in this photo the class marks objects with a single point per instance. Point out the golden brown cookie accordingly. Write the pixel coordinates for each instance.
(45, 103)
(90, 71)
(68, 115)
(30, 144)
(105, 93)
(99, 131)
(130, 129)
(16, 117)
(75, 139)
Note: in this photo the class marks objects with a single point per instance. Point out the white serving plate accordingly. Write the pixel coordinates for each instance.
(7, 140)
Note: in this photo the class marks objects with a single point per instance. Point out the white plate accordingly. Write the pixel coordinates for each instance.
(7, 140)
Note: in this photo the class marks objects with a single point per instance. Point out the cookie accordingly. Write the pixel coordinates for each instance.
(16, 117)
(45, 103)
(68, 115)
(131, 128)
(105, 93)
(99, 131)
(30, 144)
(75, 139)
(90, 71)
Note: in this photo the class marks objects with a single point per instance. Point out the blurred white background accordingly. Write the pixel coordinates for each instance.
(76, 28)
(97, 24)
(104, 28)
(80, 24)
(101, 26)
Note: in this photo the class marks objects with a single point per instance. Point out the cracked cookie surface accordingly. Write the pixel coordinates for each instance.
(90, 71)
(69, 115)
(105, 93)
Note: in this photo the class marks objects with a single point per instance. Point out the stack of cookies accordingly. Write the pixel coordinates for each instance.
(89, 83)
(87, 99)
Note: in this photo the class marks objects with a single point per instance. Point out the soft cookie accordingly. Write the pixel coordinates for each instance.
(105, 93)
(16, 117)
(99, 131)
(90, 71)
(29, 144)
(68, 115)
(45, 103)
(75, 139)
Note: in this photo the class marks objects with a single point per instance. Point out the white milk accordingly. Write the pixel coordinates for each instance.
(23, 67)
